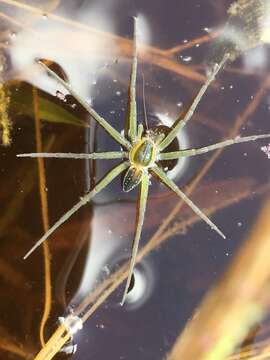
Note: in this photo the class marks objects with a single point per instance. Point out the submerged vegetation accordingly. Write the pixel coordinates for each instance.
(5, 122)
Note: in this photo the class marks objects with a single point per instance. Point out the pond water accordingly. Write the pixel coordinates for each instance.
(89, 43)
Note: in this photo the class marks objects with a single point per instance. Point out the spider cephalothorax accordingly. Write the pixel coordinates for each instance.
(141, 154)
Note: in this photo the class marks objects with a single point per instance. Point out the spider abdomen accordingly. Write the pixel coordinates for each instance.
(132, 178)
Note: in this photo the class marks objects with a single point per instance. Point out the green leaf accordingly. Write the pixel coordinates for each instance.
(21, 103)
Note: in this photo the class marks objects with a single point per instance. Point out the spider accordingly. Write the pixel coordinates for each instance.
(141, 151)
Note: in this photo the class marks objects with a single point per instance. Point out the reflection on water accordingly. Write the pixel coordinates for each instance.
(94, 243)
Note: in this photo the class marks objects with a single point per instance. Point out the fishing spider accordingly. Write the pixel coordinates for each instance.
(141, 152)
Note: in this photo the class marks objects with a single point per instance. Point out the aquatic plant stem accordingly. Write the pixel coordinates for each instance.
(237, 303)
(109, 285)
(54, 345)
(151, 54)
(5, 122)
(45, 220)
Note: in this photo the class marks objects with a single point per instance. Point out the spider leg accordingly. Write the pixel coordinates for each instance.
(111, 130)
(141, 211)
(84, 200)
(140, 131)
(205, 149)
(132, 107)
(180, 123)
(104, 155)
(170, 184)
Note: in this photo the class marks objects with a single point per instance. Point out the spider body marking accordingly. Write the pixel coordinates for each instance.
(142, 151)
(142, 156)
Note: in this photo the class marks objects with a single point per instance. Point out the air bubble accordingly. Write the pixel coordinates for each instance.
(106, 270)
(60, 95)
(187, 58)
(100, 326)
(70, 348)
(142, 286)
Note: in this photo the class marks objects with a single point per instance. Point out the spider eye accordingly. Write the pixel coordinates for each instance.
(132, 178)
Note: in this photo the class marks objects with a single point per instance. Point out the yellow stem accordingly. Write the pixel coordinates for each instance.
(55, 343)
(45, 220)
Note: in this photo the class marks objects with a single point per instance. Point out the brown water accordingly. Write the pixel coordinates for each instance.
(171, 280)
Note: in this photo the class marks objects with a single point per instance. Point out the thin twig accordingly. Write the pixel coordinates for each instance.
(234, 305)
(110, 284)
(197, 41)
(151, 54)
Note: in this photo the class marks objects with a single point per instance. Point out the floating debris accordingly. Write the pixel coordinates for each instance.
(5, 123)
(246, 28)
(266, 150)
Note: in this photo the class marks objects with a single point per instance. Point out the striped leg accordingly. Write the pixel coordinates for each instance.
(84, 200)
(140, 219)
(180, 123)
(114, 133)
(205, 149)
(132, 107)
(170, 184)
(105, 155)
